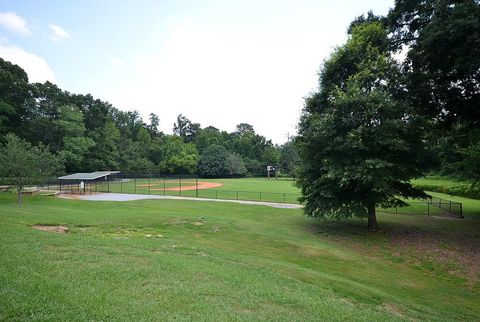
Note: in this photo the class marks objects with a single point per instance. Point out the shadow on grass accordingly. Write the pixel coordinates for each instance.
(448, 247)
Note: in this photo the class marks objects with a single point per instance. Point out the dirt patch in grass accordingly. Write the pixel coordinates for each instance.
(191, 186)
(53, 229)
(392, 308)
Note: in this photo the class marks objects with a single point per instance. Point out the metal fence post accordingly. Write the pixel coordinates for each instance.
(121, 185)
(149, 185)
(284, 197)
(260, 196)
(196, 186)
(216, 194)
(134, 185)
(164, 186)
(180, 188)
(237, 195)
(461, 211)
(428, 208)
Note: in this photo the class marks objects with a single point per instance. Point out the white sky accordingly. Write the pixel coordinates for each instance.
(219, 63)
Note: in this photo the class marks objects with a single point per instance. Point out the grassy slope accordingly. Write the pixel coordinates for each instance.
(242, 263)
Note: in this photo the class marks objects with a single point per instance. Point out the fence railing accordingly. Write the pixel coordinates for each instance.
(430, 207)
(191, 186)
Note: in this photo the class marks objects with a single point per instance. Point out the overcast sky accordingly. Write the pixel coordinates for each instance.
(219, 63)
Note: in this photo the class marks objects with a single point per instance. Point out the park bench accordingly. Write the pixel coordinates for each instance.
(30, 192)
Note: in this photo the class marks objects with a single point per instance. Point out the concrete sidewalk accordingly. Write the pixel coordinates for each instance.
(132, 197)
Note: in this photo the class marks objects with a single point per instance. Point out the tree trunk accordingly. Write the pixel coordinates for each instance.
(19, 196)
(372, 218)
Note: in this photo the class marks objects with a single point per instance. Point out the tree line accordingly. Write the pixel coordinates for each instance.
(88, 134)
(400, 98)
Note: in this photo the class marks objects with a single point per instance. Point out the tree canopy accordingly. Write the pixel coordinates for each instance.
(89, 134)
(22, 164)
(360, 143)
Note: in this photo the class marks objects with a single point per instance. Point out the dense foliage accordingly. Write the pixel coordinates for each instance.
(401, 97)
(360, 142)
(442, 75)
(22, 164)
(88, 134)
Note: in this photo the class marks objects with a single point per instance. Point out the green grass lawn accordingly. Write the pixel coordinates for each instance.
(188, 260)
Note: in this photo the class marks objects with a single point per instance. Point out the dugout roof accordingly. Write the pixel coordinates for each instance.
(87, 176)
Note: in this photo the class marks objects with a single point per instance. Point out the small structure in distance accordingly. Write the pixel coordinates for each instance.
(271, 170)
(79, 180)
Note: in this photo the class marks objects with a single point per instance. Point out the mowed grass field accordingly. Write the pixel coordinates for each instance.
(204, 261)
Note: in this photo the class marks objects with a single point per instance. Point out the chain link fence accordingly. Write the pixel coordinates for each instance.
(183, 186)
(430, 207)
(192, 186)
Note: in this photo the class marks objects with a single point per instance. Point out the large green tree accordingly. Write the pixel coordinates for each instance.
(441, 39)
(214, 162)
(359, 142)
(442, 63)
(14, 93)
(22, 164)
(178, 156)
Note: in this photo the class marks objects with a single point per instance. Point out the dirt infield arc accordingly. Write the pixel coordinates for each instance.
(191, 185)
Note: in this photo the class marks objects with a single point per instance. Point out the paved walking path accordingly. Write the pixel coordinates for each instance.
(131, 197)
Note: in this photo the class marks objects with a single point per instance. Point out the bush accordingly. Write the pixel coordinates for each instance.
(450, 187)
